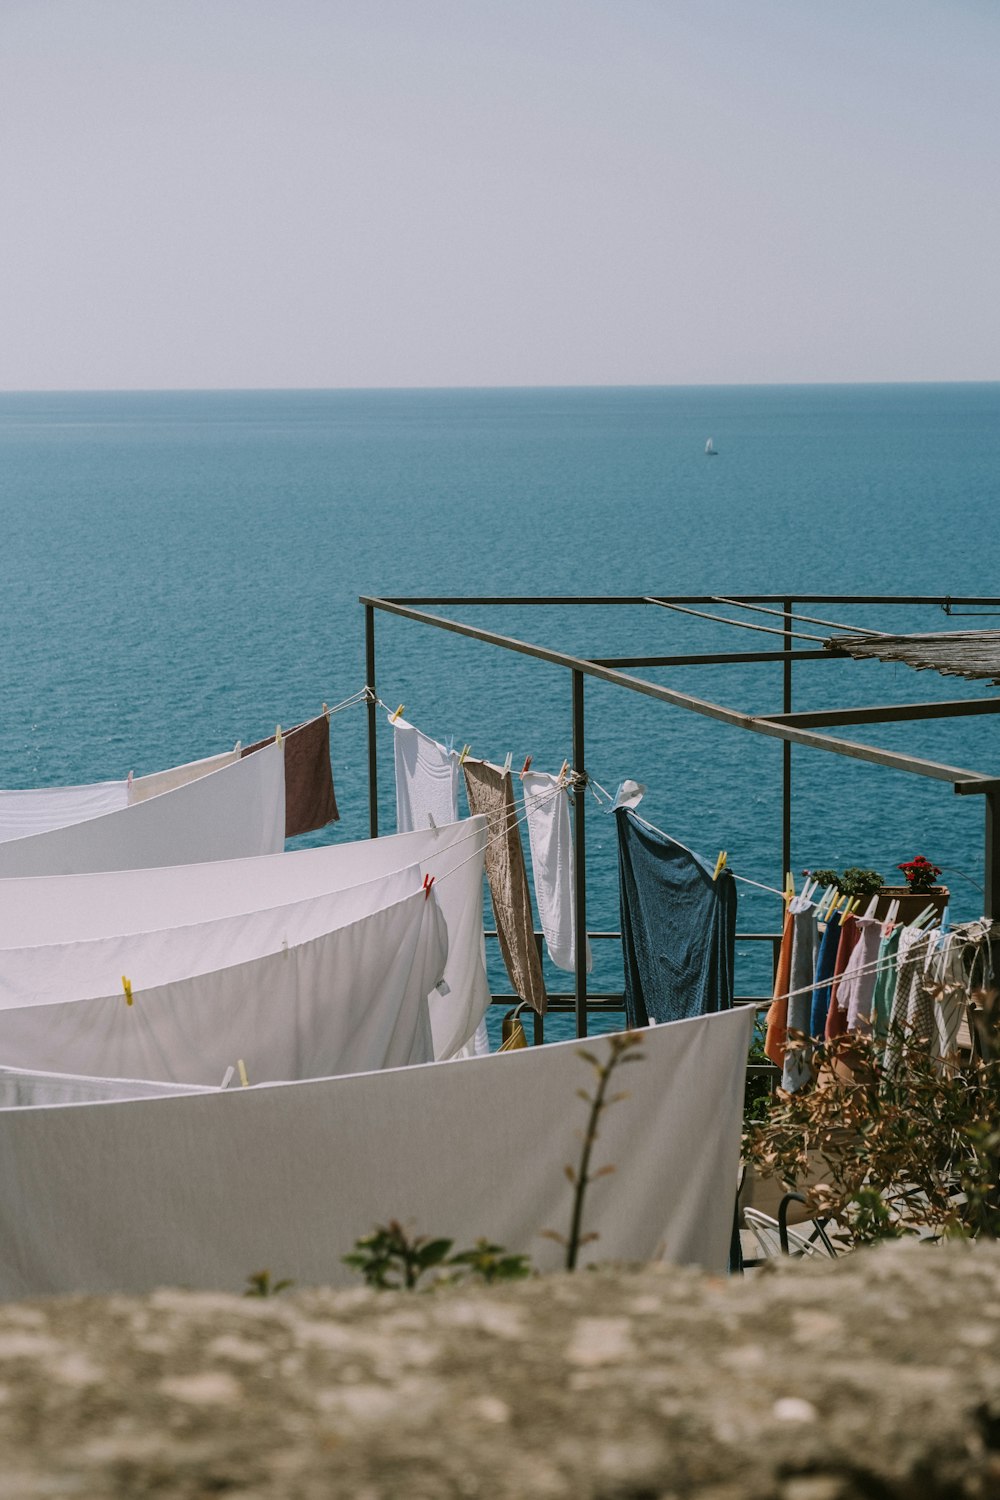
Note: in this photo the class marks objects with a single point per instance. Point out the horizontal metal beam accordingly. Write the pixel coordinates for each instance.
(716, 658)
(939, 600)
(888, 713)
(891, 759)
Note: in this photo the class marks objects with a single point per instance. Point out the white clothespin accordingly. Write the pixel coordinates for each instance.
(870, 908)
(227, 1077)
(507, 761)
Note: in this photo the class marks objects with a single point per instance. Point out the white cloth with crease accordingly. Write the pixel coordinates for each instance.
(23, 1089)
(551, 839)
(427, 778)
(235, 811)
(70, 909)
(141, 788)
(190, 1191)
(25, 814)
(87, 970)
(351, 1001)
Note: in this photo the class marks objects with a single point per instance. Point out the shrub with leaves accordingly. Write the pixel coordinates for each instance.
(389, 1260)
(259, 1284)
(907, 1149)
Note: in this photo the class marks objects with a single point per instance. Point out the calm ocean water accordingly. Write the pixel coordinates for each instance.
(182, 570)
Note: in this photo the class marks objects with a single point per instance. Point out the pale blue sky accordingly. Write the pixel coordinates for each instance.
(205, 193)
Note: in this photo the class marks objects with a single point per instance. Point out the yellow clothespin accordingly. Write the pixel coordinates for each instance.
(277, 734)
(127, 987)
(244, 1080)
(465, 751)
(720, 864)
(395, 716)
(789, 886)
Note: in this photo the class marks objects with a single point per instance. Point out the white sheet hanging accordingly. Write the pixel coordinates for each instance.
(427, 778)
(69, 909)
(235, 811)
(141, 788)
(61, 972)
(25, 814)
(348, 1002)
(21, 1089)
(196, 1191)
(551, 839)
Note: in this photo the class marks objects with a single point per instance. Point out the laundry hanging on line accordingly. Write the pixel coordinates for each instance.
(427, 778)
(231, 812)
(902, 984)
(350, 1001)
(550, 838)
(75, 909)
(310, 801)
(490, 791)
(678, 927)
(125, 1197)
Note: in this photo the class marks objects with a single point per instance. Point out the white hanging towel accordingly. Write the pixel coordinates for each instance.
(234, 811)
(351, 1001)
(87, 970)
(24, 814)
(21, 1089)
(140, 788)
(427, 777)
(551, 840)
(125, 1197)
(75, 908)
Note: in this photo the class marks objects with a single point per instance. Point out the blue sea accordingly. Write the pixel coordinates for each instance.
(181, 570)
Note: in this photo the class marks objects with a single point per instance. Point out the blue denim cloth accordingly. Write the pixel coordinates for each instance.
(678, 927)
(825, 965)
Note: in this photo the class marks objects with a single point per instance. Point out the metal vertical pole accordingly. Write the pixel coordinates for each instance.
(580, 856)
(372, 722)
(786, 751)
(991, 894)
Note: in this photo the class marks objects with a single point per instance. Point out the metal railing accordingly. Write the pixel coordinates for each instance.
(789, 727)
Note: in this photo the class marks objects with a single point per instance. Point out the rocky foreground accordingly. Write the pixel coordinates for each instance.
(875, 1377)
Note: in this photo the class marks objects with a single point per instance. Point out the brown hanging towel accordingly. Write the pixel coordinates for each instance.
(491, 791)
(309, 799)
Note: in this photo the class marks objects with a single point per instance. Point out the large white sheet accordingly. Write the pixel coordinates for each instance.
(67, 909)
(24, 814)
(351, 1001)
(235, 811)
(200, 1191)
(84, 971)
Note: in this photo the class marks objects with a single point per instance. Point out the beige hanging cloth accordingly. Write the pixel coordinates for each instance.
(491, 791)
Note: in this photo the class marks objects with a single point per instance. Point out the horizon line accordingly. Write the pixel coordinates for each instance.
(249, 390)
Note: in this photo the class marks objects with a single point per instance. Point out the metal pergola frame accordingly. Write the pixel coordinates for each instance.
(788, 726)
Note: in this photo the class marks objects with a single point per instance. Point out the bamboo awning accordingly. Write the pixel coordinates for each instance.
(953, 653)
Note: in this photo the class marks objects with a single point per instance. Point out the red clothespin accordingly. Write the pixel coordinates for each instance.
(428, 882)
(562, 773)
(526, 767)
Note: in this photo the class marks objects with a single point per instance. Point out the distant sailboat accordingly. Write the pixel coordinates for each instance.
(711, 451)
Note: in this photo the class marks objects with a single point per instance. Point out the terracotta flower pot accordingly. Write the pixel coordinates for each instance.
(912, 903)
